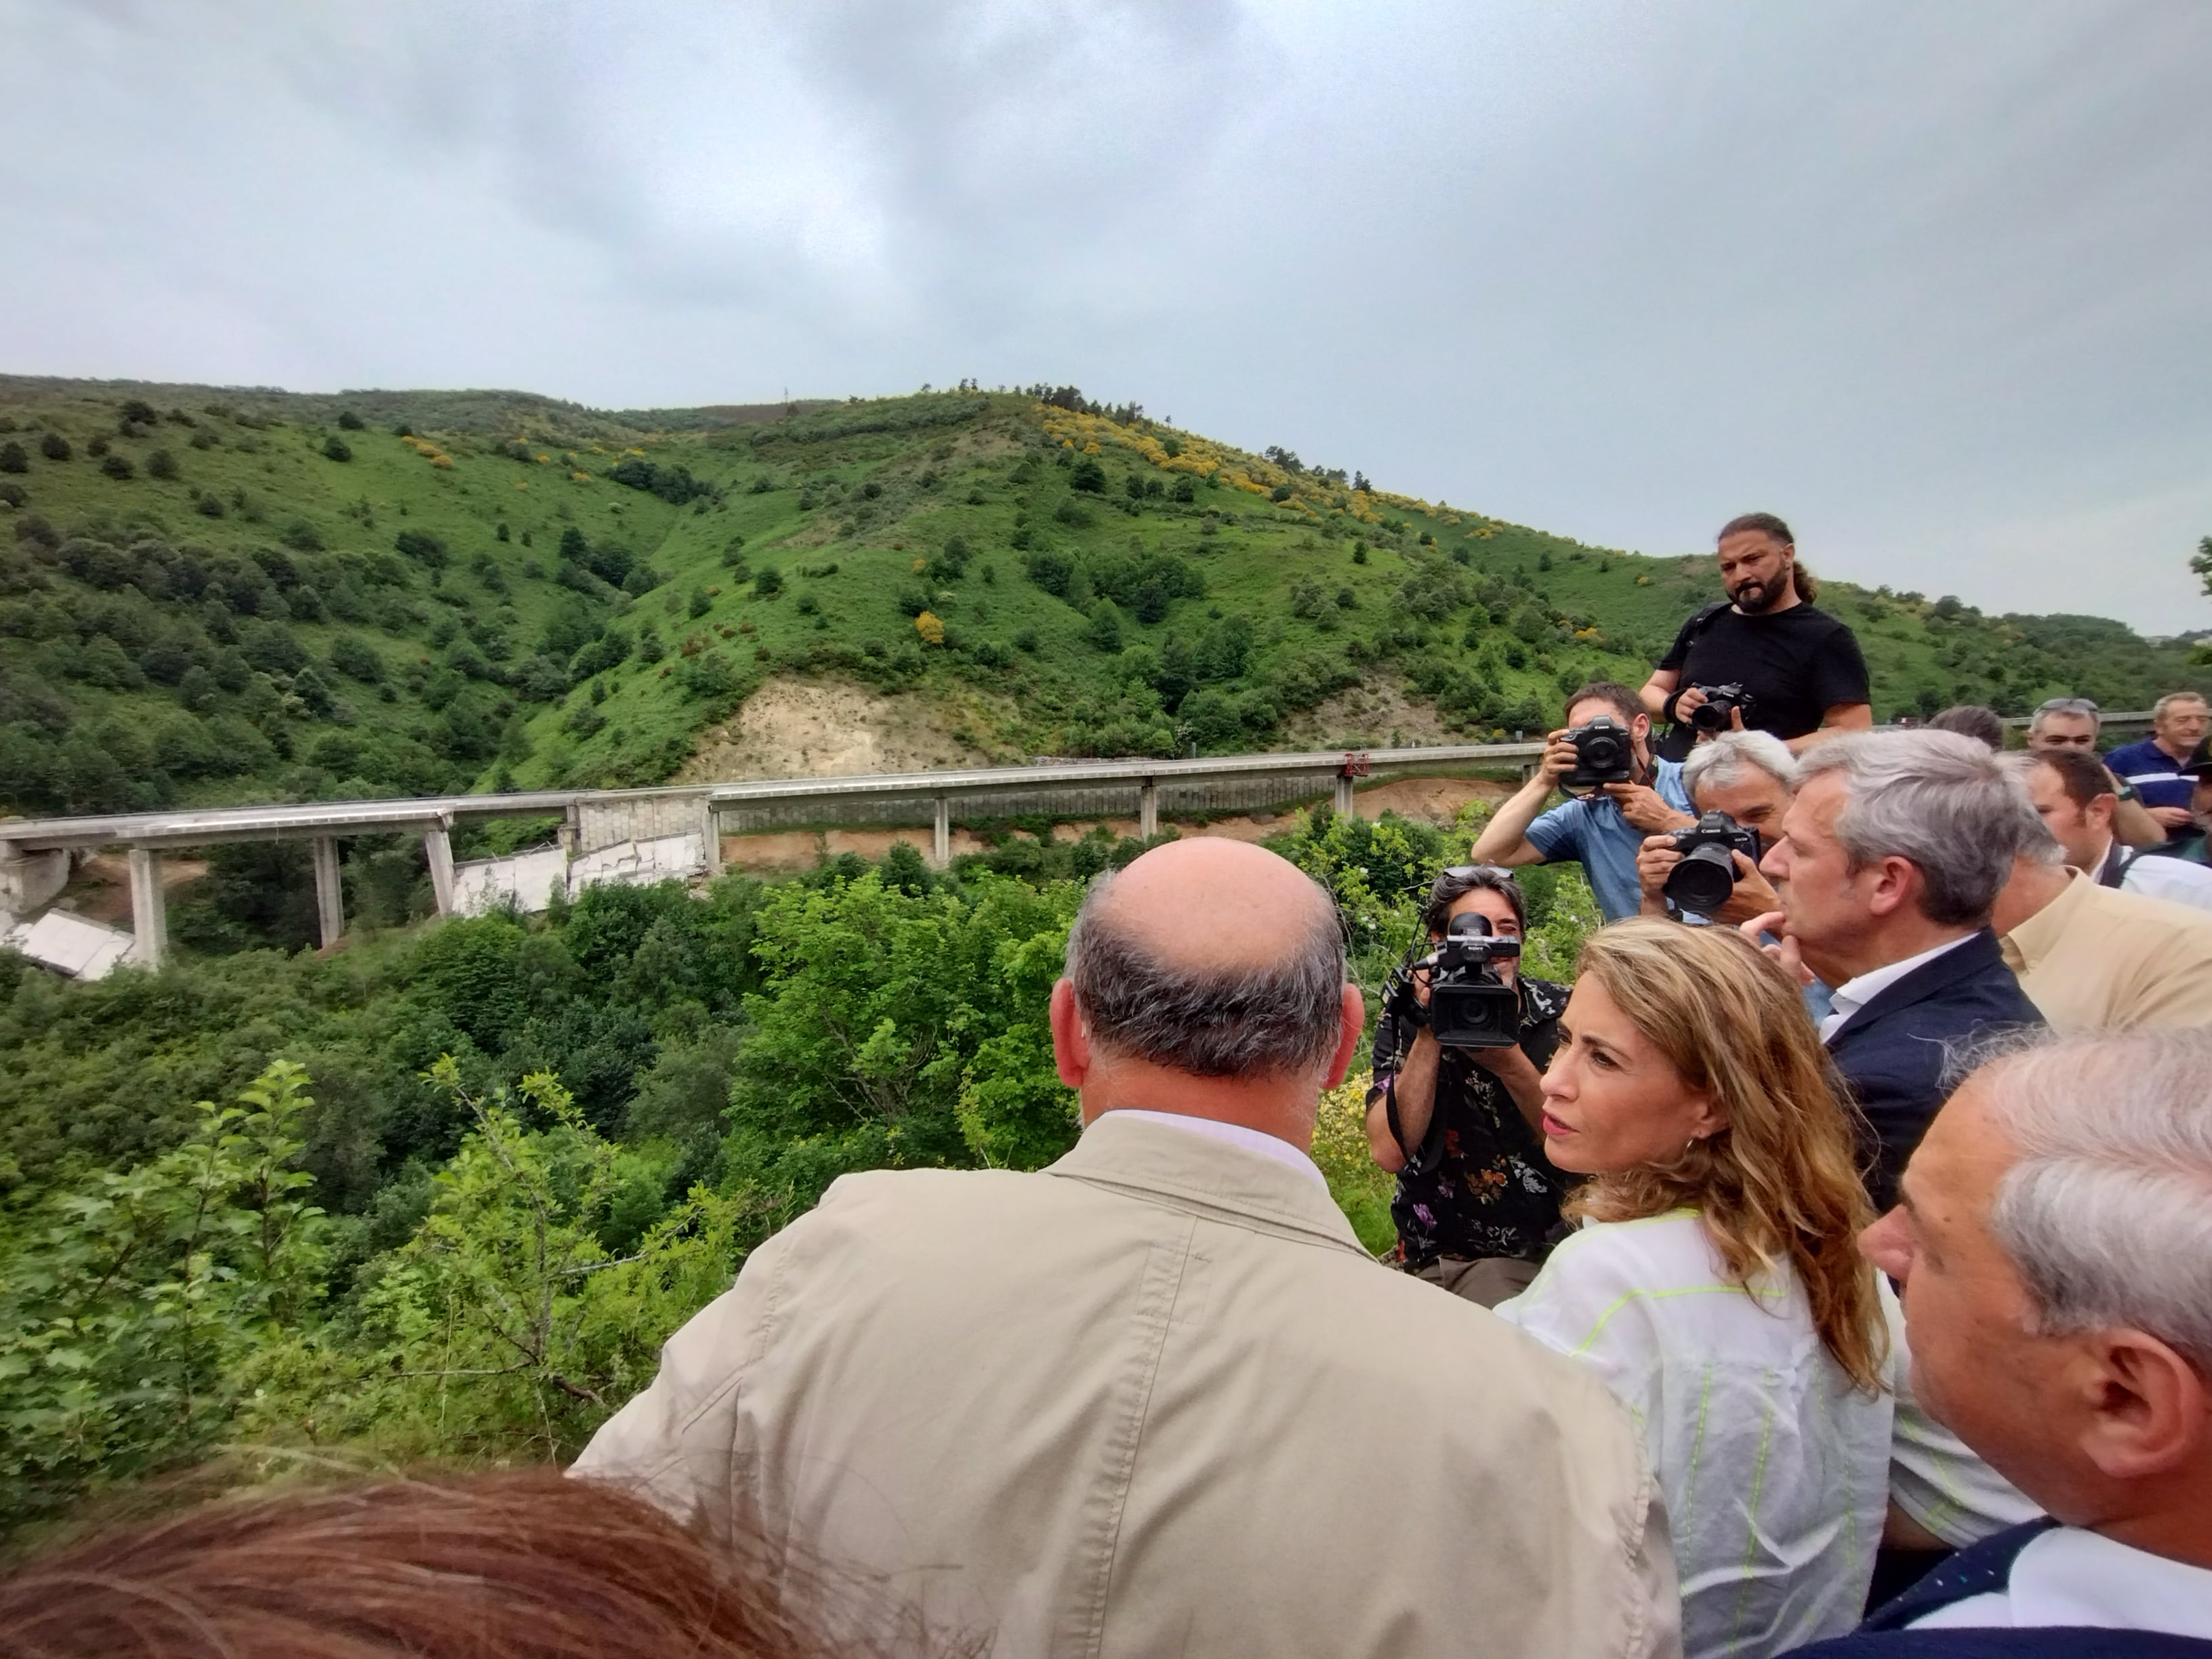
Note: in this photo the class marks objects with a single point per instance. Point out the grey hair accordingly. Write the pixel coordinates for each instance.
(2108, 1211)
(2065, 706)
(1723, 760)
(1944, 803)
(1277, 1017)
(2158, 709)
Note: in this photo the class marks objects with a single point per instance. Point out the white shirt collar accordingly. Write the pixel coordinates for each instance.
(2071, 1576)
(1854, 994)
(1236, 1134)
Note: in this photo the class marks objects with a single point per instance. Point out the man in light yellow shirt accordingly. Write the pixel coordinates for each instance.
(2092, 958)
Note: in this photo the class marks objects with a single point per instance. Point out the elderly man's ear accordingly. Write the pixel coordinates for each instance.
(1071, 1043)
(1351, 1023)
(2148, 1411)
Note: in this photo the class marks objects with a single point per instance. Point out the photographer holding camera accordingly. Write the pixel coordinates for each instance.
(1739, 785)
(1458, 1091)
(1603, 751)
(1768, 661)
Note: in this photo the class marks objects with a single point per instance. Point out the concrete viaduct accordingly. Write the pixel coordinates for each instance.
(652, 834)
(646, 835)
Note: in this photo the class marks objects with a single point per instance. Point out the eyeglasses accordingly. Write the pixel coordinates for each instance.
(1474, 872)
(2066, 706)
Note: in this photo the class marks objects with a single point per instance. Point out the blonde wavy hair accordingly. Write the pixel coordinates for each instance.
(1781, 1182)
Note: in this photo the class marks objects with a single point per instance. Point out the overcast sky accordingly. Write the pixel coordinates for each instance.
(1931, 281)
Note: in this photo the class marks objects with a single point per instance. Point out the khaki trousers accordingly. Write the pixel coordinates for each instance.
(1488, 1281)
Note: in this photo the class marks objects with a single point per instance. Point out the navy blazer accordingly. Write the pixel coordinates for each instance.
(1973, 1570)
(1894, 1053)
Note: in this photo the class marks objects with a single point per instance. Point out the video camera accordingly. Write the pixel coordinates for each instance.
(1603, 754)
(1712, 715)
(1470, 1006)
(1702, 882)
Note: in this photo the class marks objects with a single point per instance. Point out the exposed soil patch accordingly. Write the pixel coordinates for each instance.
(100, 887)
(825, 728)
(1374, 715)
(1436, 800)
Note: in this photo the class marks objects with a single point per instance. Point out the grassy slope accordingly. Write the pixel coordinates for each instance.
(1023, 666)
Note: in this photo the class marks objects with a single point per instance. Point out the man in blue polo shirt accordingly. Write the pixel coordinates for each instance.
(2178, 724)
(1603, 830)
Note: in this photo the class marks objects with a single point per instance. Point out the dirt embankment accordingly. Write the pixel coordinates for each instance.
(813, 729)
(1436, 800)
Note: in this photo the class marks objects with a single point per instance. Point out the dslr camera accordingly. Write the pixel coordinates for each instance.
(1470, 1006)
(1712, 715)
(1602, 755)
(1702, 882)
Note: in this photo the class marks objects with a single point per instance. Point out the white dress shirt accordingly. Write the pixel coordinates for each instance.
(1775, 1469)
(2176, 881)
(2071, 1576)
(1256, 1141)
(1854, 994)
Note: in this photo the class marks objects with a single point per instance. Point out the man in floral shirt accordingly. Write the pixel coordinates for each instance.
(1478, 1204)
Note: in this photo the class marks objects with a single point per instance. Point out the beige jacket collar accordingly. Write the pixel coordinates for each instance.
(2039, 936)
(1201, 1176)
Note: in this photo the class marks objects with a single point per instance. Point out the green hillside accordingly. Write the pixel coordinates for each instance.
(210, 596)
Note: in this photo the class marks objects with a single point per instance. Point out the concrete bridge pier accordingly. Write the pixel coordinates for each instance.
(329, 897)
(710, 836)
(940, 845)
(149, 908)
(437, 849)
(1148, 809)
(1346, 799)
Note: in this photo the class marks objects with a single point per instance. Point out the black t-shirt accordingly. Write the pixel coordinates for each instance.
(1797, 664)
(1478, 1184)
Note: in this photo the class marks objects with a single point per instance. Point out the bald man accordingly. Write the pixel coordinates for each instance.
(1156, 1399)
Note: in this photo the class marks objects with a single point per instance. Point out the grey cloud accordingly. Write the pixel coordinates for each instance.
(1927, 280)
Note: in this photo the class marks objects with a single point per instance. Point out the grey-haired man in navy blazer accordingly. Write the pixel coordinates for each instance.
(1888, 862)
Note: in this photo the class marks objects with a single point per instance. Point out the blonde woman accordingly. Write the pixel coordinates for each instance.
(1715, 1283)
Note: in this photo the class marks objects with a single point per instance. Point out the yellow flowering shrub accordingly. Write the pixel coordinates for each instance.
(931, 629)
(1361, 1190)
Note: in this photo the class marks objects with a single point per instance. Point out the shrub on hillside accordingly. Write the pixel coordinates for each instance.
(13, 494)
(13, 459)
(768, 583)
(1088, 476)
(161, 465)
(349, 421)
(422, 547)
(335, 448)
(356, 658)
(117, 466)
(54, 446)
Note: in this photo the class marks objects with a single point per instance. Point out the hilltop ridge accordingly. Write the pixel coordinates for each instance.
(215, 595)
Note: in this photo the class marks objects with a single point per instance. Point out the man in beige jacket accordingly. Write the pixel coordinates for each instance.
(1156, 1400)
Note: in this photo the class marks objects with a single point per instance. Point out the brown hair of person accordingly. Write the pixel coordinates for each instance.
(2081, 774)
(1613, 695)
(1971, 720)
(1780, 1183)
(1771, 526)
(525, 1566)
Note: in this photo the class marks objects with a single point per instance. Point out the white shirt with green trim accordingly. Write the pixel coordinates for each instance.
(1776, 1470)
